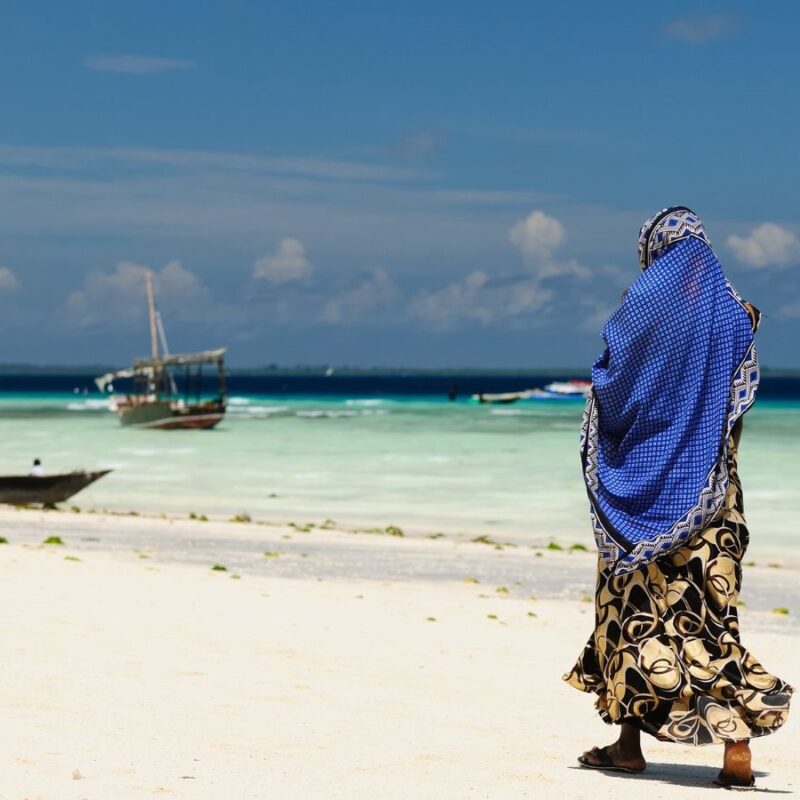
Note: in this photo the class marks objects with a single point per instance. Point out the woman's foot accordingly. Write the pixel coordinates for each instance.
(737, 770)
(615, 758)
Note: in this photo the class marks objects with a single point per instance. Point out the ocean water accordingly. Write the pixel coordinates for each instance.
(370, 455)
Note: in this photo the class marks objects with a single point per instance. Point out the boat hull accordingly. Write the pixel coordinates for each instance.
(163, 415)
(188, 422)
(48, 489)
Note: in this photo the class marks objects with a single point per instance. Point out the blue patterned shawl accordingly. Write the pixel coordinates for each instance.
(679, 369)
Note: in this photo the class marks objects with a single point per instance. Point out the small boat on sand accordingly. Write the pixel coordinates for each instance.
(46, 489)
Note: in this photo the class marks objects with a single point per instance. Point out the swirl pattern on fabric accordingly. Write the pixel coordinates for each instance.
(666, 654)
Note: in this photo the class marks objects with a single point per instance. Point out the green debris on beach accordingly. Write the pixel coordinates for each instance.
(242, 517)
(53, 540)
(389, 530)
(75, 509)
(554, 546)
(219, 568)
(484, 539)
(328, 525)
(579, 548)
(3, 540)
(780, 610)
(71, 558)
(272, 554)
(302, 528)
(198, 517)
(470, 579)
(501, 590)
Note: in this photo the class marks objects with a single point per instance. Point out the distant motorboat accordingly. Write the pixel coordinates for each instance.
(557, 390)
(571, 388)
(504, 397)
(25, 490)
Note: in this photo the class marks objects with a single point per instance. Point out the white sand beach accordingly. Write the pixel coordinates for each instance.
(129, 676)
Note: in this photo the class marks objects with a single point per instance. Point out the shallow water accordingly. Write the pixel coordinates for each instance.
(417, 462)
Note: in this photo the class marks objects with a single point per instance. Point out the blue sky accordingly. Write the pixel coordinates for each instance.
(414, 184)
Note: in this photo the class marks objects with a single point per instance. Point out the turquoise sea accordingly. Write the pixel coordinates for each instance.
(419, 462)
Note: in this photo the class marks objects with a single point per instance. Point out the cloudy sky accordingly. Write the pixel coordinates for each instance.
(419, 183)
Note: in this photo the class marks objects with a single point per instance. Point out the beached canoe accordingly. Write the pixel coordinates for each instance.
(48, 489)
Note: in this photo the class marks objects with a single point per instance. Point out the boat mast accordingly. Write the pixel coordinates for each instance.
(151, 309)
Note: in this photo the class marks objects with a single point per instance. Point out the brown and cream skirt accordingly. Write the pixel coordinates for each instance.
(665, 654)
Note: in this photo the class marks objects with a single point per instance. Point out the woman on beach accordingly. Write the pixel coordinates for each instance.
(659, 443)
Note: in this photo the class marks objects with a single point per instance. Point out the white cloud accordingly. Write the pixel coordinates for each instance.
(118, 297)
(374, 294)
(537, 237)
(767, 245)
(77, 158)
(476, 298)
(136, 65)
(484, 300)
(8, 280)
(700, 29)
(286, 265)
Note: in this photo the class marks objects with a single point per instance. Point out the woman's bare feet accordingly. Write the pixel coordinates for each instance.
(625, 755)
(737, 770)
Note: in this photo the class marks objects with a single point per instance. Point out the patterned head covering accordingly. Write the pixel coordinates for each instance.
(666, 228)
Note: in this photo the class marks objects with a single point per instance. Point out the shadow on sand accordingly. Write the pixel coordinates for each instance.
(695, 777)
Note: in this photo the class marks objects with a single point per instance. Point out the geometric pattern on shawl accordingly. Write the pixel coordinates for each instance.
(666, 228)
(679, 369)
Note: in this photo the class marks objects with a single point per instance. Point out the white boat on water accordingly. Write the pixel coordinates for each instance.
(557, 390)
(573, 388)
(504, 397)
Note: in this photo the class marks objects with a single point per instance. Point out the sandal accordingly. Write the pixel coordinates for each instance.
(606, 762)
(725, 781)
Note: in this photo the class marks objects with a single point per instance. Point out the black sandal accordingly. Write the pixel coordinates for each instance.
(606, 762)
(725, 781)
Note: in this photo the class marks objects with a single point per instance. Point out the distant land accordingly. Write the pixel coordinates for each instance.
(321, 369)
(83, 370)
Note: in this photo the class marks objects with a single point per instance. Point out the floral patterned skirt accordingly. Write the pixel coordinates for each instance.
(665, 654)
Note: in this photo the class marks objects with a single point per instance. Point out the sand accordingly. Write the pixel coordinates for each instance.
(128, 677)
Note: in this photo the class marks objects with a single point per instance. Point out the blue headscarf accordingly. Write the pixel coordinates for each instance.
(679, 369)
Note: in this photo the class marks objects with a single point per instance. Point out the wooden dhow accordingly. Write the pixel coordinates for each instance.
(167, 388)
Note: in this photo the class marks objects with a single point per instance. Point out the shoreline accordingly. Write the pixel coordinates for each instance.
(558, 570)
